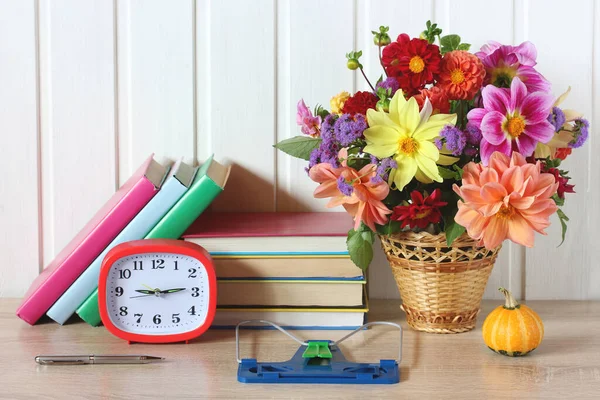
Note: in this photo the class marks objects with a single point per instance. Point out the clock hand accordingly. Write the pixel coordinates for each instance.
(171, 290)
(152, 289)
(143, 295)
(146, 291)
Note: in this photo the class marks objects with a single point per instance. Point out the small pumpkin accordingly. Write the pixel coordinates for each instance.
(512, 329)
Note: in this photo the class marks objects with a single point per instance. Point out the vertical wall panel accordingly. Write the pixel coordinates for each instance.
(77, 89)
(242, 101)
(592, 228)
(155, 82)
(19, 232)
(563, 272)
(402, 17)
(312, 39)
(478, 31)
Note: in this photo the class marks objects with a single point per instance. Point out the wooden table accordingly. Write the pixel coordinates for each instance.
(566, 365)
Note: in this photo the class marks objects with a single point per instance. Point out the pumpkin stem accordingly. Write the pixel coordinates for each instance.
(511, 303)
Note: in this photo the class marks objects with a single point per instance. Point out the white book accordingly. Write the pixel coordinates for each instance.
(317, 319)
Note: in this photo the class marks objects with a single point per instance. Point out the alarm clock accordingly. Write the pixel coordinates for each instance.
(157, 291)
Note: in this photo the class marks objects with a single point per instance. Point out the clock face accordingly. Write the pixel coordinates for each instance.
(157, 293)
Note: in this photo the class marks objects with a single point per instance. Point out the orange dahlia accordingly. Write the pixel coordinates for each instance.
(461, 75)
(509, 199)
(438, 98)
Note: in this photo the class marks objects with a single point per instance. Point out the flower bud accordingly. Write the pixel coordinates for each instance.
(381, 40)
(352, 64)
(383, 105)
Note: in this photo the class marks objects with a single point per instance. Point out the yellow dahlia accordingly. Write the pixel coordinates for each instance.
(407, 136)
(337, 102)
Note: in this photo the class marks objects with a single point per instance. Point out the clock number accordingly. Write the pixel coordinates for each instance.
(123, 311)
(176, 318)
(137, 264)
(158, 264)
(195, 291)
(119, 291)
(156, 319)
(176, 269)
(192, 311)
(192, 272)
(124, 274)
(139, 317)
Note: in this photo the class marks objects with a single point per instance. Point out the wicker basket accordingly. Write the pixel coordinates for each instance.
(441, 287)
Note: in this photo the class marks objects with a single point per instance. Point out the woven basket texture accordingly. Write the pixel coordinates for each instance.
(441, 287)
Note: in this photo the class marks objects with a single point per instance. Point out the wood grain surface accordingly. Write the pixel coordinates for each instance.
(566, 365)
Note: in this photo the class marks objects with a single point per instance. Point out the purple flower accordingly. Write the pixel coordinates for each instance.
(348, 128)
(512, 119)
(455, 139)
(580, 133)
(383, 170)
(310, 124)
(315, 156)
(438, 143)
(373, 159)
(346, 188)
(473, 135)
(390, 84)
(557, 118)
(327, 128)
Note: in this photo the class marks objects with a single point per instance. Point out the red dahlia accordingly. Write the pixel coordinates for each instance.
(414, 62)
(359, 103)
(563, 185)
(421, 212)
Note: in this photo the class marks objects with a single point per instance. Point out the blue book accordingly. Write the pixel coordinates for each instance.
(173, 188)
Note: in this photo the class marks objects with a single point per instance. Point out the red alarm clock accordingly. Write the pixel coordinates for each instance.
(157, 291)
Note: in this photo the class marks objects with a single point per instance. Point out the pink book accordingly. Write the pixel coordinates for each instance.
(56, 278)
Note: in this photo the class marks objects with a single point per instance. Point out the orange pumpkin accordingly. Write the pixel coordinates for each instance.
(512, 329)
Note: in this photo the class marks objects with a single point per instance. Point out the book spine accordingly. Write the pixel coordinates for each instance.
(62, 276)
(88, 311)
(203, 191)
(80, 290)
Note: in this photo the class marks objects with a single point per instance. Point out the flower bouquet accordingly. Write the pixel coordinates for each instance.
(449, 154)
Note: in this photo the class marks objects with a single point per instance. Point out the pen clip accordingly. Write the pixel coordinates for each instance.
(57, 361)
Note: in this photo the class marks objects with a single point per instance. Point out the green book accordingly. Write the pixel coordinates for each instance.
(208, 183)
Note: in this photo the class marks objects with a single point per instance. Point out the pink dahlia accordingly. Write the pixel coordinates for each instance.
(512, 120)
(509, 199)
(502, 63)
(309, 123)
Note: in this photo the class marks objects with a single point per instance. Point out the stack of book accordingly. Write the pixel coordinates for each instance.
(156, 202)
(289, 268)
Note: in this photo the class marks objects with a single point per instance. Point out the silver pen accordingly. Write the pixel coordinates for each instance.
(96, 359)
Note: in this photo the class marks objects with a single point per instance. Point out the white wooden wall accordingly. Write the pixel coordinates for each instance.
(89, 88)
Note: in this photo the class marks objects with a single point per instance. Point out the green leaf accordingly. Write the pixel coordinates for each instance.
(360, 247)
(447, 173)
(298, 146)
(390, 228)
(450, 41)
(452, 229)
(464, 46)
(459, 172)
(563, 223)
